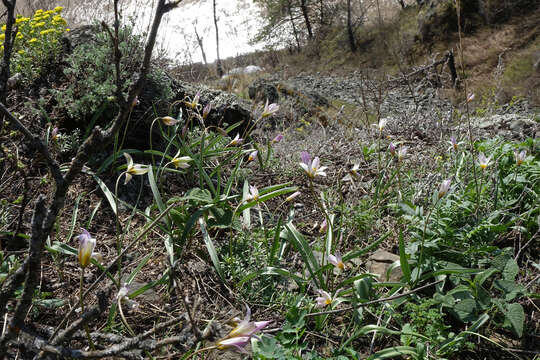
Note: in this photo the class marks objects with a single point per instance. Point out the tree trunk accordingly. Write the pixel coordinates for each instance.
(200, 42)
(295, 32)
(304, 8)
(219, 67)
(350, 31)
(8, 46)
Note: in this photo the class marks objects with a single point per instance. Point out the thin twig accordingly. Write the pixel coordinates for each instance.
(360, 305)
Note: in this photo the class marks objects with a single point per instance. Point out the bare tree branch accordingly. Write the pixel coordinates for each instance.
(8, 47)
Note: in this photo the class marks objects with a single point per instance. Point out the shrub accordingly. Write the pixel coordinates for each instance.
(90, 75)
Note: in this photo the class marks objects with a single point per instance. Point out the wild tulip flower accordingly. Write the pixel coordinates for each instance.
(402, 152)
(520, 156)
(181, 162)
(445, 186)
(86, 247)
(206, 110)
(169, 121)
(194, 102)
(323, 227)
(311, 168)
(337, 261)
(236, 141)
(323, 299)
(454, 143)
(253, 193)
(133, 169)
(238, 343)
(246, 327)
(353, 173)
(269, 110)
(253, 155)
(483, 161)
(381, 124)
(277, 139)
(54, 134)
(392, 149)
(135, 102)
(292, 196)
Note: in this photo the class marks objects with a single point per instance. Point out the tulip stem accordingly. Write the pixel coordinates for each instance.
(86, 330)
(129, 329)
(421, 258)
(117, 227)
(328, 221)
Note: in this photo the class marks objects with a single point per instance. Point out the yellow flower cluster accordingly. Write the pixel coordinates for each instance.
(37, 39)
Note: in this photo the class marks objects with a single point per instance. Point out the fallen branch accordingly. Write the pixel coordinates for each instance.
(360, 305)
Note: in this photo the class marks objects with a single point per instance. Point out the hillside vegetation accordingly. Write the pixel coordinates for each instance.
(370, 194)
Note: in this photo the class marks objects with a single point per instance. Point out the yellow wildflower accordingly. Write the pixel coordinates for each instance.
(4, 27)
(45, 32)
(32, 40)
(39, 24)
(39, 12)
(2, 36)
(58, 9)
(21, 52)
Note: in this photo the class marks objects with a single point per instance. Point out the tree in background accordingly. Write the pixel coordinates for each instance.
(305, 13)
(219, 66)
(200, 42)
(283, 16)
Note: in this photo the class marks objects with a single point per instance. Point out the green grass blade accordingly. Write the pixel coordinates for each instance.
(93, 214)
(74, 216)
(139, 267)
(211, 249)
(361, 252)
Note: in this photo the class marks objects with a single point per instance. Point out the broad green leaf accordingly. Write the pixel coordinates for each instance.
(157, 196)
(404, 262)
(465, 310)
(511, 269)
(302, 246)
(108, 194)
(516, 316)
(393, 352)
(265, 195)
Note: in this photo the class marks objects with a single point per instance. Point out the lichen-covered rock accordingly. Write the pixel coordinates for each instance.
(262, 91)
